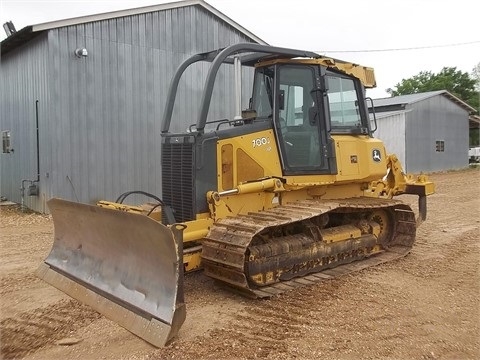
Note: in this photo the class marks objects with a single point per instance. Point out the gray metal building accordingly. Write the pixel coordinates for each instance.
(96, 88)
(427, 131)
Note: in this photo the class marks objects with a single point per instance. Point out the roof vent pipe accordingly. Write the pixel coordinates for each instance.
(9, 28)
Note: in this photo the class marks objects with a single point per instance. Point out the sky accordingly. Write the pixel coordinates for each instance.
(412, 35)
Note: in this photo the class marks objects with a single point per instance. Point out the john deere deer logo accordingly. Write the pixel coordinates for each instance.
(376, 155)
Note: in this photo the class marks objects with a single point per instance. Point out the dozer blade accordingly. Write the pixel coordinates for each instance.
(126, 266)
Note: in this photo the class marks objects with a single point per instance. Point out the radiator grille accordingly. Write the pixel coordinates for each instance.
(178, 185)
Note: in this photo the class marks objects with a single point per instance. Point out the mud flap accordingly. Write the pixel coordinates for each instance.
(126, 266)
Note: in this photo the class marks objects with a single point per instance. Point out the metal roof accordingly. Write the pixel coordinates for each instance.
(29, 32)
(385, 114)
(414, 98)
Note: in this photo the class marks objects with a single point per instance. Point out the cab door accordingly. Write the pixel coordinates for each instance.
(301, 120)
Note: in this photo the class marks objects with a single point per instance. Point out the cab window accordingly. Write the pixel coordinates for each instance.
(343, 101)
(262, 100)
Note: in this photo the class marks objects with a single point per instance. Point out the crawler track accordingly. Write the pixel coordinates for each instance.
(266, 253)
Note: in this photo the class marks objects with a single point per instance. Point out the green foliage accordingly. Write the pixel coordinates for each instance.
(476, 76)
(460, 84)
(474, 137)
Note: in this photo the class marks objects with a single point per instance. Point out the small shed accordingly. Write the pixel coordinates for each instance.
(427, 131)
(81, 100)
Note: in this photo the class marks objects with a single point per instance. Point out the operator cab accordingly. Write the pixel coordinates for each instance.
(308, 103)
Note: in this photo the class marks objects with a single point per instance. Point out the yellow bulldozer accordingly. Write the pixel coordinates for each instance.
(291, 191)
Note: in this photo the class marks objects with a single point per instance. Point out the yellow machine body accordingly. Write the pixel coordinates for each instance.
(294, 191)
(240, 162)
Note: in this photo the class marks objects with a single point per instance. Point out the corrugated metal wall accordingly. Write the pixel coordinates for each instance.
(23, 76)
(436, 118)
(101, 121)
(391, 130)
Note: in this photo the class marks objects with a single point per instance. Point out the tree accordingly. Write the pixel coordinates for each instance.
(476, 76)
(475, 133)
(458, 83)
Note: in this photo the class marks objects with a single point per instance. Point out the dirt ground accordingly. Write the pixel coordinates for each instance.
(424, 306)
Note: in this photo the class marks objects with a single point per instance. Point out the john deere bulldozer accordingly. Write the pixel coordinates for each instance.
(291, 191)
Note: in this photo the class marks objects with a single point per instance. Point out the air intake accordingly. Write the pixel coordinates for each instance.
(178, 174)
